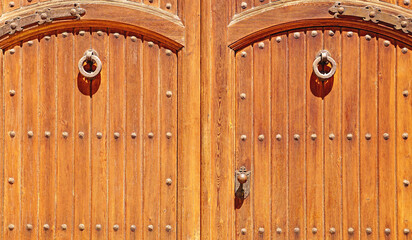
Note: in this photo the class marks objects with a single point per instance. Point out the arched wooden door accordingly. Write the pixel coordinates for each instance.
(102, 157)
(323, 158)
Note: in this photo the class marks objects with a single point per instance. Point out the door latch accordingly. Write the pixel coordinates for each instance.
(242, 183)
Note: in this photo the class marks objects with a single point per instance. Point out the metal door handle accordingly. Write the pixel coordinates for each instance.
(242, 183)
(324, 57)
(90, 55)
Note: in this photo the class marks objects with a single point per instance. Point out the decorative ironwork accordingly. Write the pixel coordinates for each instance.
(48, 15)
(373, 14)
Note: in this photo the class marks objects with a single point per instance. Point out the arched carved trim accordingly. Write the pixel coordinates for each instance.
(150, 22)
(258, 23)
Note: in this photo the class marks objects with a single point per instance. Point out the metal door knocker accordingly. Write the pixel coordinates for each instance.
(323, 57)
(90, 56)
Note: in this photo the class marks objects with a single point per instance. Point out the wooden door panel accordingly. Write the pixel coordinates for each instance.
(341, 176)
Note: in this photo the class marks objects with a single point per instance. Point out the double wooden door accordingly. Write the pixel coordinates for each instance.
(205, 120)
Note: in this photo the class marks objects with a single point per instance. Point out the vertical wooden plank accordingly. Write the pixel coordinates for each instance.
(99, 124)
(261, 139)
(169, 5)
(10, 5)
(350, 133)
(386, 137)
(333, 139)
(168, 144)
(12, 143)
(134, 141)
(297, 135)
(403, 139)
(2, 136)
(315, 90)
(30, 134)
(47, 135)
(151, 165)
(116, 135)
(368, 136)
(244, 136)
(279, 109)
(65, 136)
(82, 101)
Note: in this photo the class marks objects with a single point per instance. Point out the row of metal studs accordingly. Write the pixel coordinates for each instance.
(82, 227)
(332, 230)
(99, 135)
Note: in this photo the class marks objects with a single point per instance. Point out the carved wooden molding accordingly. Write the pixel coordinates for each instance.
(373, 14)
(47, 15)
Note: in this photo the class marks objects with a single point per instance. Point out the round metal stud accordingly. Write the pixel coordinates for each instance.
(29, 227)
(12, 51)
(150, 228)
(368, 230)
(168, 52)
(296, 137)
(11, 227)
(406, 2)
(169, 94)
(150, 44)
(404, 50)
(243, 231)
(30, 134)
(169, 181)
(331, 33)
(64, 227)
(387, 231)
(47, 134)
(349, 34)
(261, 137)
(296, 35)
(116, 135)
(243, 96)
(261, 230)
(405, 93)
(98, 227)
(406, 231)
(278, 230)
(243, 137)
(116, 35)
(81, 134)
(261, 45)
(133, 228)
(115, 227)
(168, 228)
(134, 135)
(12, 93)
(351, 230)
(243, 54)
(386, 136)
(47, 38)
(278, 137)
(46, 227)
(99, 135)
(13, 25)
(243, 5)
(99, 33)
(11, 180)
(81, 227)
(349, 136)
(169, 135)
(386, 43)
(406, 183)
(331, 136)
(404, 24)
(332, 230)
(296, 230)
(313, 136)
(368, 136)
(30, 43)
(314, 33)
(11, 4)
(150, 135)
(65, 134)
(314, 230)
(168, 5)
(368, 37)
(405, 136)
(134, 39)
(278, 39)
(12, 134)
(82, 33)
(65, 34)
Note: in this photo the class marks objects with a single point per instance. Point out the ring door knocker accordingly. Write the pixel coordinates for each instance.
(323, 58)
(90, 56)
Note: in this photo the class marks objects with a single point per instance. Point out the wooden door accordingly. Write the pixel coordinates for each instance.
(328, 158)
(107, 156)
